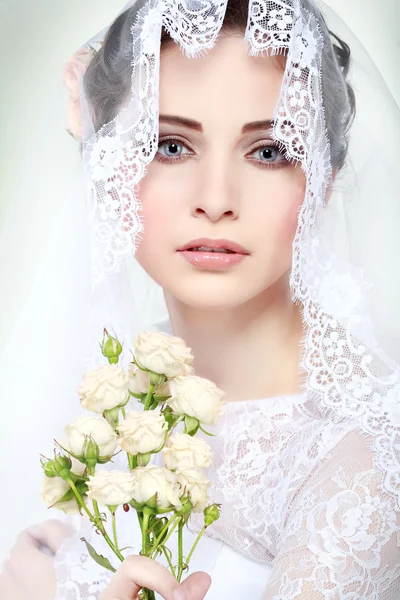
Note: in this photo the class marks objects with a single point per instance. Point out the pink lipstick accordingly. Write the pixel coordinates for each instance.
(206, 253)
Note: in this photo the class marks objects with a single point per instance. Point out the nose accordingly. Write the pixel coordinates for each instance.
(216, 196)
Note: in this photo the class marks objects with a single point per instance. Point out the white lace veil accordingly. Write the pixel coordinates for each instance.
(339, 251)
(344, 254)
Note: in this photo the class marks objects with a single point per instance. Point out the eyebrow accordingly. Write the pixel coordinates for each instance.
(196, 126)
(256, 125)
(182, 121)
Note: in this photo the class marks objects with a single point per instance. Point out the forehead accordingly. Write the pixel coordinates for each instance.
(226, 83)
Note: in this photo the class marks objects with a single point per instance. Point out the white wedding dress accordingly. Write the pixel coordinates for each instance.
(303, 513)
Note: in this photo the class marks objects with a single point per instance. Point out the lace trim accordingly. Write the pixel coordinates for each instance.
(343, 367)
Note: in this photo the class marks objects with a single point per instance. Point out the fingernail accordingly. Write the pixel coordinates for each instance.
(179, 594)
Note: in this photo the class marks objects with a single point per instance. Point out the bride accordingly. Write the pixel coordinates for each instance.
(246, 181)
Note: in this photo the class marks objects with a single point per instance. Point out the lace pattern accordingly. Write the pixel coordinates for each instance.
(341, 536)
(297, 491)
(261, 459)
(343, 368)
(312, 486)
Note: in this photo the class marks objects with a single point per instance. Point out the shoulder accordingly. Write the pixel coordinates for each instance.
(343, 502)
(341, 531)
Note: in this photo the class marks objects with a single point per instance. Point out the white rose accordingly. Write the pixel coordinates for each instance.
(151, 480)
(53, 489)
(111, 487)
(163, 354)
(95, 427)
(185, 452)
(195, 483)
(142, 432)
(104, 388)
(196, 397)
(139, 383)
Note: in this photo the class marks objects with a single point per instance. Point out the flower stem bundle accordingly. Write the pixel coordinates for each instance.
(164, 493)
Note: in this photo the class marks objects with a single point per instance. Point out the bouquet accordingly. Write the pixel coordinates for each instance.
(175, 406)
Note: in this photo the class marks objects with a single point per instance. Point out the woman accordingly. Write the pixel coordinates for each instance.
(238, 223)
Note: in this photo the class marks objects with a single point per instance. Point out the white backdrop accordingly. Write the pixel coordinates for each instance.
(36, 37)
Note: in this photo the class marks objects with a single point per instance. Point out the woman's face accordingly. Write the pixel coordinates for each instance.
(218, 180)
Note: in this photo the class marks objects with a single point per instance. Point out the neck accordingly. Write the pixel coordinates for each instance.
(250, 351)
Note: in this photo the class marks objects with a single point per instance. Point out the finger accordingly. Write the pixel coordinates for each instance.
(25, 558)
(10, 588)
(51, 533)
(30, 570)
(139, 572)
(194, 587)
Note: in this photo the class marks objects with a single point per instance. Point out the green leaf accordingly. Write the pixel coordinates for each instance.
(191, 425)
(101, 560)
(171, 419)
(140, 397)
(70, 495)
(82, 488)
(144, 459)
(79, 478)
(160, 399)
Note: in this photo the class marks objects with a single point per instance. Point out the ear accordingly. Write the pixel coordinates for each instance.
(330, 187)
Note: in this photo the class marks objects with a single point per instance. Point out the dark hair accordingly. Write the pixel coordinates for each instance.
(107, 81)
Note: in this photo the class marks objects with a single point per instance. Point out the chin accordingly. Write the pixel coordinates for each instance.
(213, 291)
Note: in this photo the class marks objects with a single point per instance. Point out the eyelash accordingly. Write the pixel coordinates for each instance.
(273, 165)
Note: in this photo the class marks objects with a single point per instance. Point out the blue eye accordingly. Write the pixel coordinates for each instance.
(171, 148)
(268, 154)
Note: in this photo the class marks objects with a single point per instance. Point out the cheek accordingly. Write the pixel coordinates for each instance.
(281, 218)
(160, 201)
(293, 195)
(153, 213)
(290, 218)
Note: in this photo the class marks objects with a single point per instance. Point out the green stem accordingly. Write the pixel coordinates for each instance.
(80, 500)
(98, 521)
(100, 525)
(169, 562)
(114, 530)
(149, 398)
(195, 544)
(95, 519)
(163, 530)
(132, 462)
(166, 526)
(146, 594)
(79, 478)
(181, 418)
(180, 549)
(140, 518)
(145, 526)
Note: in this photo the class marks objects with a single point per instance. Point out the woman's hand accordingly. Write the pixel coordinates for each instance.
(137, 572)
(28, 572)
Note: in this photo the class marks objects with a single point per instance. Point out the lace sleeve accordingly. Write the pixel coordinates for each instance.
(341, 538)
(78, 577)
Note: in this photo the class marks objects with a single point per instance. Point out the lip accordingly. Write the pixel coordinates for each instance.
(213, 260)
(215, 244)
